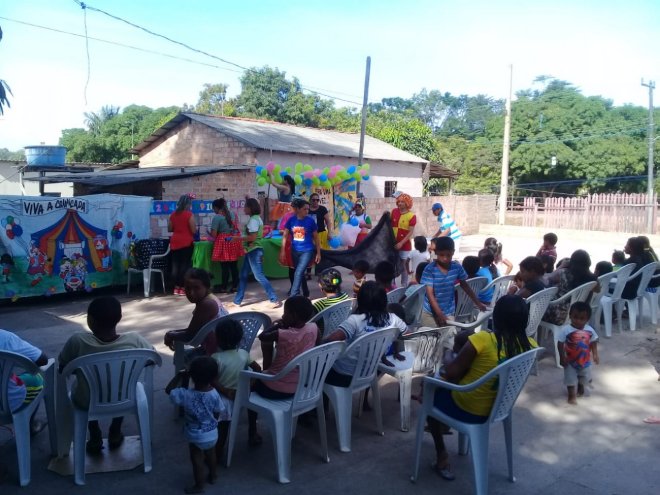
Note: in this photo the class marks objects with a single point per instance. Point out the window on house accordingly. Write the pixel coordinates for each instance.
(390, 187)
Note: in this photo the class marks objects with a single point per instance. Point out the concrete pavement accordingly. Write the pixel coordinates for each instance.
(599, 447)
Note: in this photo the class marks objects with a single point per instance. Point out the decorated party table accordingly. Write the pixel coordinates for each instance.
(272, 268)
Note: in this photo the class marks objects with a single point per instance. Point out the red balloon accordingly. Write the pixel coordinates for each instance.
(10, 234)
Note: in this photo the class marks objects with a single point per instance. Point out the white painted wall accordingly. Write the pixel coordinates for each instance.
(10, 183)
(408, 175)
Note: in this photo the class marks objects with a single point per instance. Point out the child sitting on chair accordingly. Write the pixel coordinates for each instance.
(293, 336)
(577, 343)
(202, 408)
(360, 269)
(231, 361)
(330, 284)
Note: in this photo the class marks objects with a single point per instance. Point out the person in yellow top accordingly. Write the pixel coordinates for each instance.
(403, 225)
(481, 353)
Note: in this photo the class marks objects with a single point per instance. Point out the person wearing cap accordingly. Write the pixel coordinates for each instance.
(403, 224)
(364, 221)
(447, 226)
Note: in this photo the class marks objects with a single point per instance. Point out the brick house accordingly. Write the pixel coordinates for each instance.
(192, 139)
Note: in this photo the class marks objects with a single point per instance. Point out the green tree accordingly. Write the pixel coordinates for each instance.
(213, 101)
(18, 155)
(95, 121)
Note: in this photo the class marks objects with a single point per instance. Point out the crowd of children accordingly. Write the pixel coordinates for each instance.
(215, 366)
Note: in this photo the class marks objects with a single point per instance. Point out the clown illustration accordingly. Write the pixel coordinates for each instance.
(7, 263)
(104, 253)
(36, 264)
(73, 272)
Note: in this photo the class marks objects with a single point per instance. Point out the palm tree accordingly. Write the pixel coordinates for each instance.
(4, 89)
(94, 121)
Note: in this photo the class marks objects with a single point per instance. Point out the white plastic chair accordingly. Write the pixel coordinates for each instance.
(114, 391)
(538, 303)
(396, 295)
(413, 305)
(596, 308)
(511, 377)
(369, 349)
(465, 308)
(614, 298)
(423, 354)
(156, 259)
(652, 299)
(580, 293)
(500, 287)
(251, 321)
(635, 305)
(333, 316)
(13, 363)
(280, 415)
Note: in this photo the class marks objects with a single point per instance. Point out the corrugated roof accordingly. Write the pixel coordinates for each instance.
(107, 178)
(275, 136)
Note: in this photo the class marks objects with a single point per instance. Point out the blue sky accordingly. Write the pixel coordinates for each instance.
(603, 47)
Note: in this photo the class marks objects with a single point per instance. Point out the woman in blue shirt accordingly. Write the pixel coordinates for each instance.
(305, 246)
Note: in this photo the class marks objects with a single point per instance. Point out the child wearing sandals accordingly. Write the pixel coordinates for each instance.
(577, 344)
(202, 407)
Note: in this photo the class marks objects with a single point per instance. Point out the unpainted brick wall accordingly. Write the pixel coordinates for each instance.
(467, 211)
(193, 143)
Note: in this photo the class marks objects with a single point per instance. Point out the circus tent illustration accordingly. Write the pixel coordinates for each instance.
(72, 237)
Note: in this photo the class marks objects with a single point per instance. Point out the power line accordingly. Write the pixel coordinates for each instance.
(85, 6)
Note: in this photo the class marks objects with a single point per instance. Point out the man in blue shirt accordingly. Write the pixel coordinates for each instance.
(302, 232)
(447, 226)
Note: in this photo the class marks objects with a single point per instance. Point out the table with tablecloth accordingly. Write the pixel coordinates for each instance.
(272, 268)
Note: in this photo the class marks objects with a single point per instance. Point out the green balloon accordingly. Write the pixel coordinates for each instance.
(264, 173)
(277, 178)
(307, 168)
(316, 181)
(297, 179)
(357, 176)
(366, 166)
(10, 219)
(299, 167)
(261, 181)
(277, 167)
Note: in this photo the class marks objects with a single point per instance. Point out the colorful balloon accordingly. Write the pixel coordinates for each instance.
(298, 179)
(261, 181)
(351, 169)
(270, 166)
(258, 169)
(335, 242)
(264, 172)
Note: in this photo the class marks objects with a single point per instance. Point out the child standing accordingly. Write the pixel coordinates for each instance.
(202, 408)
(360, 269)
(577, 343)
(231, 361)
(419, 254)
(440, 278)
(330, 283)
(549, 246)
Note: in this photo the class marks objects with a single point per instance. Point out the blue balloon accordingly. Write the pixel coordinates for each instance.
(258, 169)
(335, 242)
(17, 229)
(308, 182)
(323, 177)
(283, 173)
(354, 222)
(351, 169)
(365, 177)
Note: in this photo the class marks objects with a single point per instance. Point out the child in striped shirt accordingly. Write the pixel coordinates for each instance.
(330, 283)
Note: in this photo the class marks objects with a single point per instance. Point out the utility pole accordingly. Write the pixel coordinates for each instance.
(650, 192)
(363, 127)
(504, 181)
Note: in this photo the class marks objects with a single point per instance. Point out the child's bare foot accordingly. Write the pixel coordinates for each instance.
(194, 489)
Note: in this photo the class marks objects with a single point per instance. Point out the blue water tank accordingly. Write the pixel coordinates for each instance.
(49, 156)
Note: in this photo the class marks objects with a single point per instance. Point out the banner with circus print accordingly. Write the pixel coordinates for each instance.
(55, 245)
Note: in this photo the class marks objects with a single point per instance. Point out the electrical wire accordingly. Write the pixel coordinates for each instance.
(197, 50)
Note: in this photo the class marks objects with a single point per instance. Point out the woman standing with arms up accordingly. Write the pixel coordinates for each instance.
(285, 192)
(227, 252)
(183, 227)
(254, 256)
